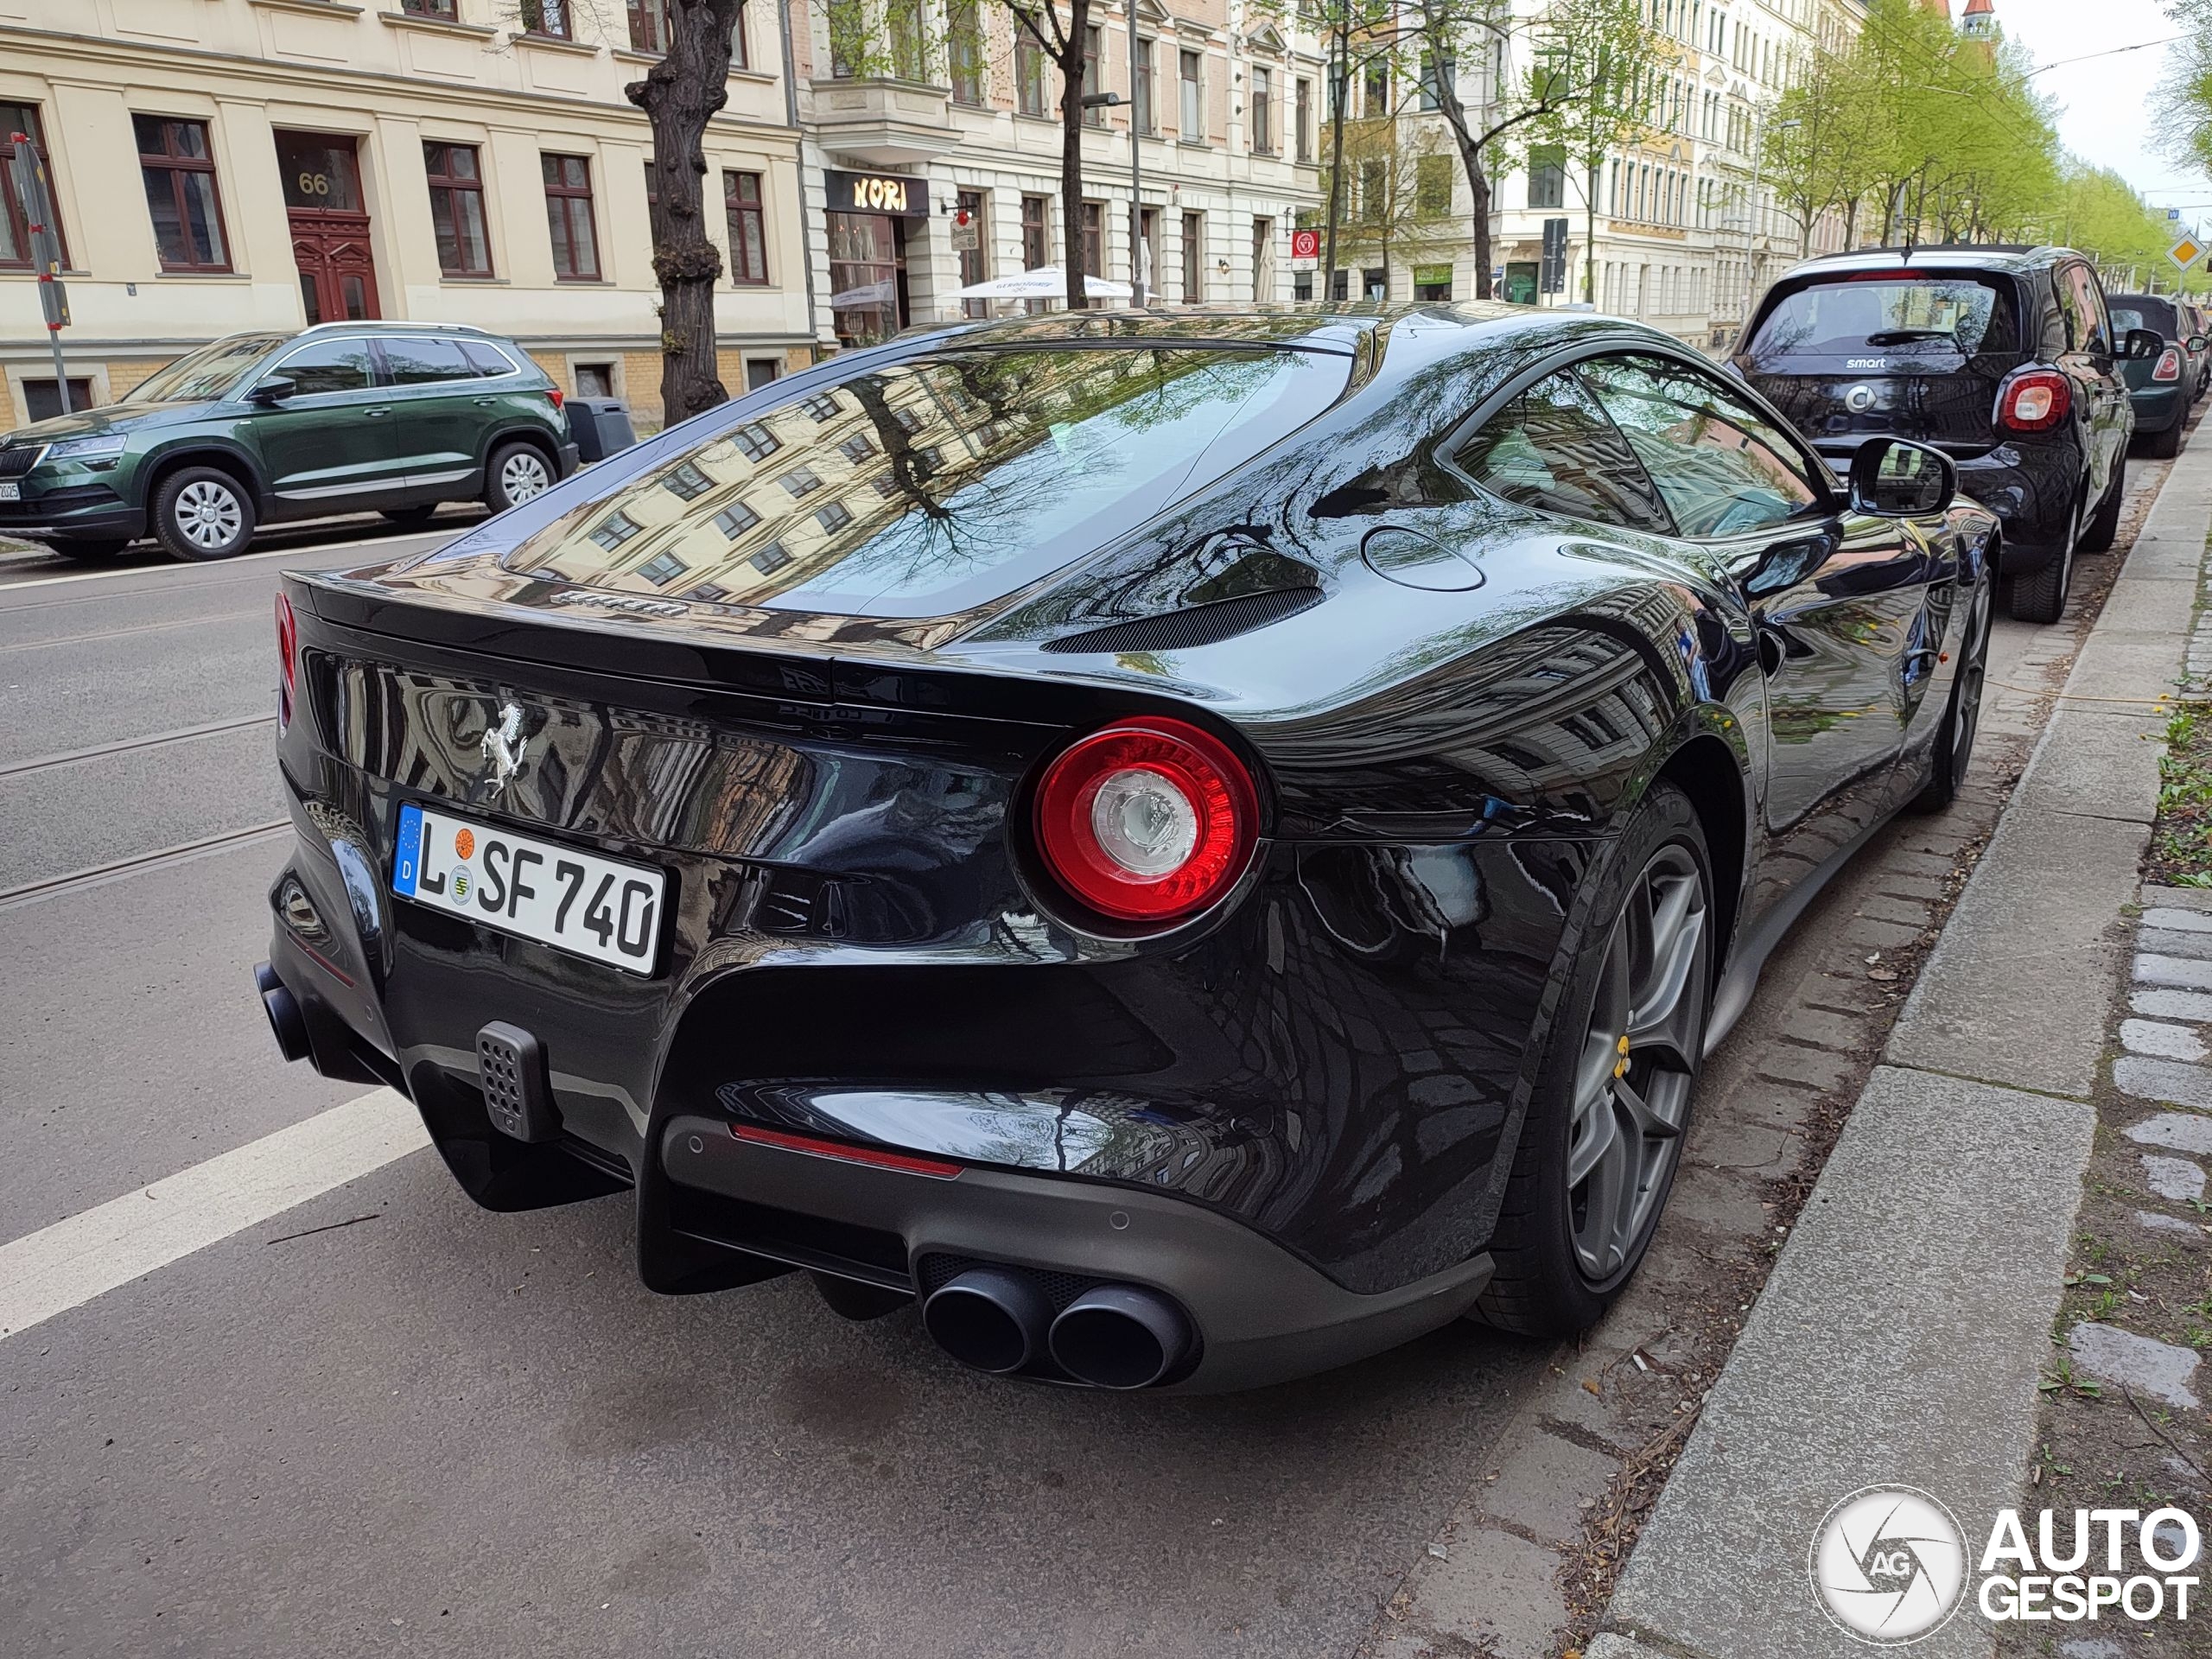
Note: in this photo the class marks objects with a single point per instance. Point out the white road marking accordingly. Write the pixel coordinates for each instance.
(67, 1265)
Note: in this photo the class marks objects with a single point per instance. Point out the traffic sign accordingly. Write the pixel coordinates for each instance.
(2173, 213)
(1305, 249)
(2186, 252)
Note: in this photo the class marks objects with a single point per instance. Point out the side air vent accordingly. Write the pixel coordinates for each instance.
(1194, 625)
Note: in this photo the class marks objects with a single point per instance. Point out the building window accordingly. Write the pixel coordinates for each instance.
(834, 517)
(1432, 281)
(1094, 238)
(1263, 263)
(1379, 88)
(905, 18)
(1263, 130)
(43, 403)
(771, 559)
(748, 236)
(1190, 69)
(1029, 65)
(857, 448)
(800, 481)
(822, 407)
(1375, 280)
(569, 217)
(754, 442)
(15, 224)
(762, 372)
(1094, 39)
(456, 177)
(549, 17)
(1194, 241)
(595, 379)
(1433, 186)
(1036, 232)
(1148, 109)
(1301, 285)
(441, 9)
(179, 170)
(1374, 192)
(734, 521)
(686, 482)
(1432, 83)
(741, 55)
(964, 47)
(619, 528)
(662, 568)
(1547, 176)
(649, 26)
(1305, 138)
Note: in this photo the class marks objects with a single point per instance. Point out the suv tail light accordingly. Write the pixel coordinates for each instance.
(555, 396)
(2035, 401)
(1148, 820)
(288, 660)
(2169, 364)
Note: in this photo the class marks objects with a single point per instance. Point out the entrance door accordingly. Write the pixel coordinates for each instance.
(330, 226)
(867, 276)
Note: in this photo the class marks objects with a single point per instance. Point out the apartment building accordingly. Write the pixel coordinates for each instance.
(933, 160)
(222, 165)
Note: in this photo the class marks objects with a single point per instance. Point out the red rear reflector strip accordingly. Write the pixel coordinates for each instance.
(907, 1162)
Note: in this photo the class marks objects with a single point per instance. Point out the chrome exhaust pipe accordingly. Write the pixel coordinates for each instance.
(993, 1318)
(286, 1022)
(1120, 1336)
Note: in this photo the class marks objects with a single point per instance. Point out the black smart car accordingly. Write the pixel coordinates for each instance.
(1196, 848)
(2005, 359)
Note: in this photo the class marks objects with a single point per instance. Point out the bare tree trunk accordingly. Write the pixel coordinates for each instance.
(1071, 172)
(1589, 238)
(680, 94)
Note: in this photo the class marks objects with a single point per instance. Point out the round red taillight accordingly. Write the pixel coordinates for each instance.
(1146, 821)
(288, 658)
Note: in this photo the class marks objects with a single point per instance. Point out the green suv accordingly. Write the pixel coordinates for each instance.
(345, 417)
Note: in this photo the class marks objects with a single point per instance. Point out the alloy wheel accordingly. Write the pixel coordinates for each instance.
(207, 515)
(522, 476)
(1637, 1062)
(1973, 673)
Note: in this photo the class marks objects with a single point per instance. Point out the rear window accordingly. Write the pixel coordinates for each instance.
(931, 485)
(2134, 311)
(1890, 316)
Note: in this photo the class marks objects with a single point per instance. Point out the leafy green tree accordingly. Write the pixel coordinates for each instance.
(1601, 50)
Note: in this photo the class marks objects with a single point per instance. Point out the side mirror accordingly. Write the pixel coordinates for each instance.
(270, 389)
(2139, 344)
(1892, 478)
(2196, 344)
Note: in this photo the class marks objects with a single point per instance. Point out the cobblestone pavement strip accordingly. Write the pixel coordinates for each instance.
(1527, 1563)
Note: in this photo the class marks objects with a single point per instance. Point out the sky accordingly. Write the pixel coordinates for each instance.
(2103, 117)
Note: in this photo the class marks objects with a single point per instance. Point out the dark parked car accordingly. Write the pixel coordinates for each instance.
(2005, 359)
(2165, 387)
(1195, 847)
(394, 417)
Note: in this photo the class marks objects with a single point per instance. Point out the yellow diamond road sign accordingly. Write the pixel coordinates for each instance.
(2186, 252)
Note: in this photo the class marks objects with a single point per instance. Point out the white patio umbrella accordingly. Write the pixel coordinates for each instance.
(1045, 282)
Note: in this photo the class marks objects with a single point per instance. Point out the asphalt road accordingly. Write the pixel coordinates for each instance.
(383, 1421)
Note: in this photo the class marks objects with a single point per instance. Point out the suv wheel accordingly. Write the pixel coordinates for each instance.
(516, 472)
(200, 512)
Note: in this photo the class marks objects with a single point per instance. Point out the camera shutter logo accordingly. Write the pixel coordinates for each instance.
(1889, 1565)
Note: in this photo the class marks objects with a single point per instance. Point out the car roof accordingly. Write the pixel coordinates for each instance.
(2013, 258)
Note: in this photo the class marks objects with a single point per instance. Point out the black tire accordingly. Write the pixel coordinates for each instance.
(2040, 596)
(410, 518)
(2101, 531)
(202, 513)
(507, 471)
(1953, 752)
(2164, 446)
(1543, 1285)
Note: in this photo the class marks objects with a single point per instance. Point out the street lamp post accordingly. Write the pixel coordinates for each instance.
(1137, 272)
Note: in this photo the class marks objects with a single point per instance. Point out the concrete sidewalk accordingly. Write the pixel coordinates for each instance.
(1908, 1322)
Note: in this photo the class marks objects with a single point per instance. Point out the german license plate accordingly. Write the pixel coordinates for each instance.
(573, 900)
(11, 491)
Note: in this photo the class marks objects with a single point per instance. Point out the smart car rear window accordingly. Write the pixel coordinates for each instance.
(982, 470)
(1890, 315)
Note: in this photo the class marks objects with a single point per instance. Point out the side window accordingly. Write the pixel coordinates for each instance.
(487, 360)
(2069, 307)
(1722, 468)
(2090, 303)
(328, 366)
(415, 362)
(1552, 448)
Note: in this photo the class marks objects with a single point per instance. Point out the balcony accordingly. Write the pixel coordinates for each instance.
(882, 119)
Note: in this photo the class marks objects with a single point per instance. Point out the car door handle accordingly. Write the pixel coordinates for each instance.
(373, 413)
(485, 403)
